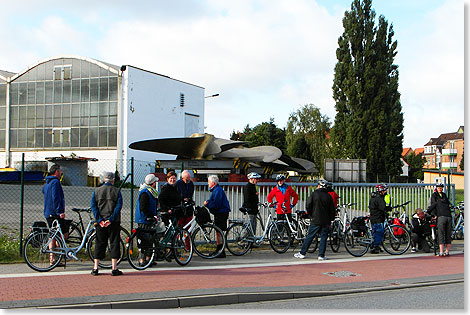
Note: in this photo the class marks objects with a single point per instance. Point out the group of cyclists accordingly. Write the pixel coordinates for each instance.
(177, 196)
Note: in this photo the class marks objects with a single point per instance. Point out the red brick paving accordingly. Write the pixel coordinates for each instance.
(60, 286)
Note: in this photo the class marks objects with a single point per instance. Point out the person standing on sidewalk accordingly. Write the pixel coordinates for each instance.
(440, 208)
(377, 209)
(219, 206)
(321, 210)
(106, 204)
(185, 187)
(54, 203)
(251, 199)
(283, 195)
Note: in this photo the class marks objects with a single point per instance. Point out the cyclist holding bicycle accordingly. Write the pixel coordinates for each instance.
(283, 194)
(251, 199)
(169, 197)
(378, 208)
(440, 208)
(147, 202)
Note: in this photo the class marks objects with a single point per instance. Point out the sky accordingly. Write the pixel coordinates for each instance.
(265, 58)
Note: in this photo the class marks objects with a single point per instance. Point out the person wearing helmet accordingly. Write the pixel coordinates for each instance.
(321, 210)
(251, 199)
(440, 208)
(283, 195)
(378, 208)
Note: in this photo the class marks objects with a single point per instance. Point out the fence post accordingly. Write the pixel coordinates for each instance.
(132, 193)
(21, 204)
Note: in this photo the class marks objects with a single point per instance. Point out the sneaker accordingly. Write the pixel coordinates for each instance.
(413, 249)
(299, 255)
(322, 258)
(94, 272)
(116, 272)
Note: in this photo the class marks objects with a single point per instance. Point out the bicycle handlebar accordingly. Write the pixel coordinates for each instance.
(402, 205)
(81, 210)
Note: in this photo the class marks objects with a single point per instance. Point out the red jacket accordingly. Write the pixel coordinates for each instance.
(280, 198)
(335, 197)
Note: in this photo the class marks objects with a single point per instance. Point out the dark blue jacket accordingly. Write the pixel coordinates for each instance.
(218, 202)
(185, 190)
(140, 217)
(54, 202)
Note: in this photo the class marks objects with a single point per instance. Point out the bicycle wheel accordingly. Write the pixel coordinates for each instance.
(140, 251)
(182, 249)
(237, 243)
(106, 261)
(279, 237)
(75, 235)
(335, 236)
(204, 240)
(396, 240)
(37, 254)
(356, 243)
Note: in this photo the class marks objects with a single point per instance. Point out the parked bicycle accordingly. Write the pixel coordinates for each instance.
(458, 221)
(146, 244)
(357, 238)
(403, 219)
(432, 237)
(338, 227)
(45, 249)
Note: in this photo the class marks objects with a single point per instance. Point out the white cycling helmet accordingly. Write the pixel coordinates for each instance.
(253, 175)
(280, 177)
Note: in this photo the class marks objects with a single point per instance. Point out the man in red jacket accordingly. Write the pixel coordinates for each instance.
(283, 194)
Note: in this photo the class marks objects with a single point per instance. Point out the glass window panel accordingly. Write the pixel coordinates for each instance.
(2, 118)
(14, 117)
(94, 70)
(84, 114)
(113, 108)
(58, 62)
(112, 121)
(32, 75)
(58, 91)
(31, 93)
(85, 90)
(85, 69)
(14, 138)
(2, 138)
(65, 138)
(22, 138)
(113, 89)
(112, 137)
(75, 69)
(48, 116)
(40, 72)
(57, 122)
(57, 73)
(66, 115)
(67, 86)
(104, 72)
(104, 89)
(23, 91)
(94, 89)
(30, 138)
(103, 136)
(48, 138)
(75, 136)
(39, 138)
(22, 117)
(56, 137)
(39, 92)
(75, 90)
(104, 109)
(83, 137)
(40, 116)
(67, 72)
(3, 94)
(103, 120)
(31, 112)
(93, 137)
(75, 115)
(49, 67)
(14, 94)
(49, 91)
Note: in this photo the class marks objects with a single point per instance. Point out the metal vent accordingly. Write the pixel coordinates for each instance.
(181, 99)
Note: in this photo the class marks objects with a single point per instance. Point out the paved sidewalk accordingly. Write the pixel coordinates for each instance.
(259, 275)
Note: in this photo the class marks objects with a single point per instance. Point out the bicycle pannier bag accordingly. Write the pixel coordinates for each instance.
(202, 215)
(397, 231)
(39, 226)
(358, 226)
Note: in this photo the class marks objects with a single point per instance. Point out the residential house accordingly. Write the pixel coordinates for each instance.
(445, 152)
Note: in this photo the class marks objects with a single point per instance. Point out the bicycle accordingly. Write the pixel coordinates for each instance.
(292, 230)
(146, 244)
(357, 238)
(240, 234)
(77, 230)
(403, 218)
(44, 249)
(458, 222)
(204, 235)
(432, 237)
(338, 226)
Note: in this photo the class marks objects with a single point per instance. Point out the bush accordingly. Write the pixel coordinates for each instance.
(9, 249)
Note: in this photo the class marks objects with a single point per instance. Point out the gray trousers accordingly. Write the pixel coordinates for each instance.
(252, 218)
(444, 230)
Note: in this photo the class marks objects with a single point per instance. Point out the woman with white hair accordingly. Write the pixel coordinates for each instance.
(147, 201)
(219, 206)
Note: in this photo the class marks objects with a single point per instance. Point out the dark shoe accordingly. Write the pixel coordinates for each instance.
(375, 250)
(94, 272)
(116, 272)
(221, 255)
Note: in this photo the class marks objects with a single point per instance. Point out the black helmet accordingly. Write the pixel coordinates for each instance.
(439, 185)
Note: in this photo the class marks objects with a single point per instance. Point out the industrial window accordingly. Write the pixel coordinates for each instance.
(61, 137)
(63, 72)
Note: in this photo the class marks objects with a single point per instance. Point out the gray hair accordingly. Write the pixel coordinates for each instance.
(107, 177)
(213, 178)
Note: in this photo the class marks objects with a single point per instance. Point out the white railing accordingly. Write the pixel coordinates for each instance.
(449, 151)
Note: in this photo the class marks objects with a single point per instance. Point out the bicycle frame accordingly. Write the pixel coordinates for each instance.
(247, 224)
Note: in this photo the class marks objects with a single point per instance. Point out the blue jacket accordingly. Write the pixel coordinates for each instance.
(140, 217)
(218, 202)
(54, 202)
(185, 190)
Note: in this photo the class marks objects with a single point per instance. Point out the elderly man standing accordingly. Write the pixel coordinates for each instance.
(106, 204)
(185, 187)
(219, 206)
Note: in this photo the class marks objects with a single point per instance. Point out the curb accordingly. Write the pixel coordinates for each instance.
(235, 298)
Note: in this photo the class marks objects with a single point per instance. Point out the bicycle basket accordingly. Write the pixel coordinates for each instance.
(202, 215)
(358, 226)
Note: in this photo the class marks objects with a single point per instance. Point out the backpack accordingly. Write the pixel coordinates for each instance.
(202, 215)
